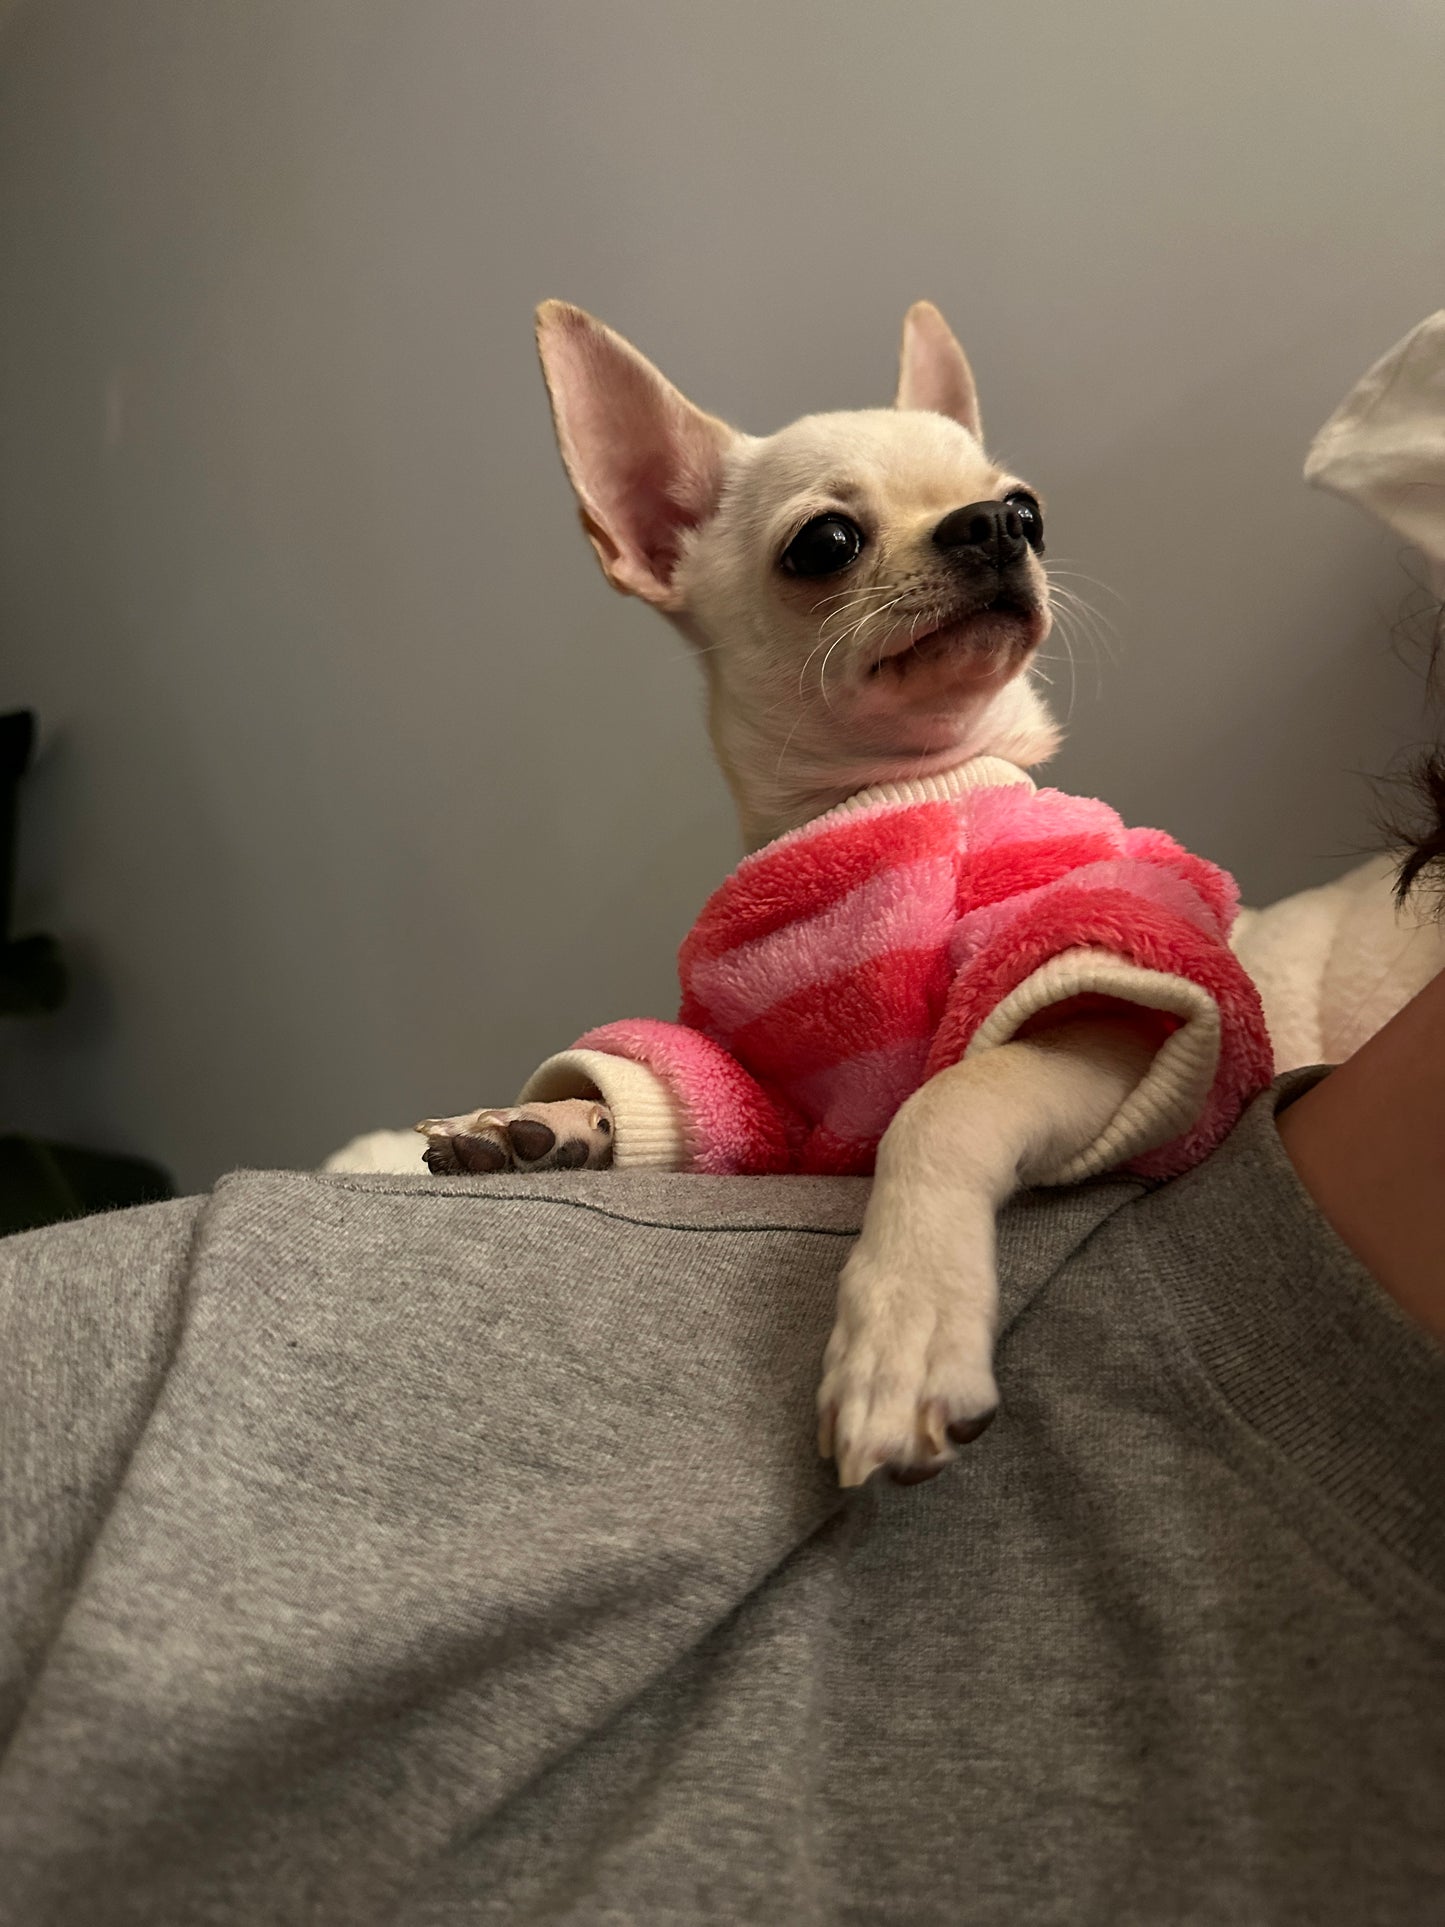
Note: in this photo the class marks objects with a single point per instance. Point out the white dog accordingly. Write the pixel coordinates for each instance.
(865, 595)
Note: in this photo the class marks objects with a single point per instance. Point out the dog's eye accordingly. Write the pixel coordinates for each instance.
(1026, 507)
(823, 546)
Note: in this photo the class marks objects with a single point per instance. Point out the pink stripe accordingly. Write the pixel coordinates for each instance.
(1161, 889)
(1218, 889)
(910, 908)
(734, 1124)
(780, 884)
(1017, 815)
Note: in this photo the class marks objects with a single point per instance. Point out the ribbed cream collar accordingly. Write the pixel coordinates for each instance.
(978, 773)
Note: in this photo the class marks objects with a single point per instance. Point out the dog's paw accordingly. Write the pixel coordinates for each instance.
(572, 1135)
(908, 1373)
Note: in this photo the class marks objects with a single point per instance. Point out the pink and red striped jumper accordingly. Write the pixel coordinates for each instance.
(843, 964)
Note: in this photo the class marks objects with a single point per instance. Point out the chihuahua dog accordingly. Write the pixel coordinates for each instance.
(866, 596)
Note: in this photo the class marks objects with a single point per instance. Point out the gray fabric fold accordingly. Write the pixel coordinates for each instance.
(381, 1550)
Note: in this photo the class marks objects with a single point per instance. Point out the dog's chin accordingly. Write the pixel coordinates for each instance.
(964, 656)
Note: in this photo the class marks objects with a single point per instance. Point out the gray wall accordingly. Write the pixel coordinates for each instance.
(360, 790)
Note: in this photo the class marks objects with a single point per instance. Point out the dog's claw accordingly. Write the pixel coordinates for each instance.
(908, 1374)
(917, 1474)
(963, 1431)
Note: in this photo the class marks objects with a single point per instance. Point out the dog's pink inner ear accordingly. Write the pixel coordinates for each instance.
(933, 370)
(646, 464)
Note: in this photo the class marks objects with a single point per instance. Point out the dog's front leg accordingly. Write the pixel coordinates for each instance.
(908, 1373)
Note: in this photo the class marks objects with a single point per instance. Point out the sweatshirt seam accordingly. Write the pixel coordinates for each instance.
(597, 1210)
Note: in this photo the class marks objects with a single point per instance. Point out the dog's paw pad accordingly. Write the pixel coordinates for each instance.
(530, 1138)
(476, 1153)
(457, 1153)
(571, 1135)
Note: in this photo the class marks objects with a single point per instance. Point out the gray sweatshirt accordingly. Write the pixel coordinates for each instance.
(392, 1550)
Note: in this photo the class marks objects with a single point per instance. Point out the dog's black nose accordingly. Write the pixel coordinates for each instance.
(985, 531)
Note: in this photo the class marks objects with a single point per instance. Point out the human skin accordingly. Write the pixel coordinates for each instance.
(1368, 1143)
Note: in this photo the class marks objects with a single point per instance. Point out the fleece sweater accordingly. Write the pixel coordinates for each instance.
(848, 961)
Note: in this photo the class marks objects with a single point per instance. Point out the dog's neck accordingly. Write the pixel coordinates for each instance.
(777, 787)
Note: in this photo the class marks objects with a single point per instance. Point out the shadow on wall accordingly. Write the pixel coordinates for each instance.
(42, 1182)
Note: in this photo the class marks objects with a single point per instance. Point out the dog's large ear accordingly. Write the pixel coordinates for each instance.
(646, 464)
(933, 371)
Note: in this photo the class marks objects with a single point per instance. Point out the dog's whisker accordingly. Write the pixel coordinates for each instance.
(876, 588)
(868, 616)
(848, 609)
(852, 588)
(804, 670)
(1066, 640)
(871, 616)
(827, 647)
(1059, 572)
(1091, 622)
(1098, 626)
(1099, 646)
(1064, 620)
(823, 675)
(1064, 601)
(856, 595)
(1062, 566)
(822, 644)
(919, 615)
(787, 745)
(1077, 621)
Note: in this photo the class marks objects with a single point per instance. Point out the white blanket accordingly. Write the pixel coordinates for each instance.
(1334, 964)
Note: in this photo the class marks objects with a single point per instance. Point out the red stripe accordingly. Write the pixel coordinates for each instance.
(825, 1155)
(881, 1002)
(1001, 870)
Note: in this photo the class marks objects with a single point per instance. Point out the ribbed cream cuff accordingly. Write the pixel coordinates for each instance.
(1167, 1100)
(649, 1128)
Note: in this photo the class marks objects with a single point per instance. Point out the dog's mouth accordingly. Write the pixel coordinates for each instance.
(980, 639)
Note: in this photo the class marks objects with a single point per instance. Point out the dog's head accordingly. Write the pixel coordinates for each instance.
(865, 589)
